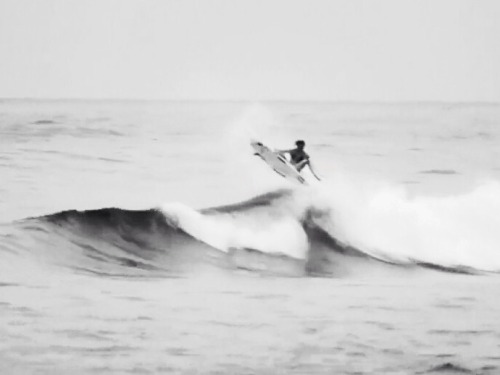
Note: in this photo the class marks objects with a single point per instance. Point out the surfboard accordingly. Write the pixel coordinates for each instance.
(277, 162)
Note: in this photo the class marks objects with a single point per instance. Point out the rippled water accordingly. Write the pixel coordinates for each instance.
(210, 263)
(242, 324)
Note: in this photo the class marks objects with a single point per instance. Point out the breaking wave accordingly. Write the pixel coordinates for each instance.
(280, 233)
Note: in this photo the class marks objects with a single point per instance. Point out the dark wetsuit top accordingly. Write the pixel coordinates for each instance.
(298, 155)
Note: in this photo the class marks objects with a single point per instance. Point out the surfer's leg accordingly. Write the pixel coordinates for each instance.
(299, 166)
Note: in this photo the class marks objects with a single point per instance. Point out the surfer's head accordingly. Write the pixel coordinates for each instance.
(300, 144)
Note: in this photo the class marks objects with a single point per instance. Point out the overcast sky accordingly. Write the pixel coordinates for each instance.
(373, 50)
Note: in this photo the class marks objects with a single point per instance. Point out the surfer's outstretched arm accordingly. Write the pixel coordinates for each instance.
(312, 170)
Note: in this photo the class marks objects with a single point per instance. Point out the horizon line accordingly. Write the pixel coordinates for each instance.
(325, 101)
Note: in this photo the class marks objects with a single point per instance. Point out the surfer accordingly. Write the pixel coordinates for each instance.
(299, 158)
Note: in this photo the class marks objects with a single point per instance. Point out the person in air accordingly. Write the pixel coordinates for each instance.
(298, 157)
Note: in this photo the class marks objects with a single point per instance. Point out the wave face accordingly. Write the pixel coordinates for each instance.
(117, 242)
(281, 233)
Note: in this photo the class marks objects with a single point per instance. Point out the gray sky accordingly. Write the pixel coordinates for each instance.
(381, 50)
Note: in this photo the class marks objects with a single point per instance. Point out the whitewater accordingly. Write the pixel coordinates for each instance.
(144, 237)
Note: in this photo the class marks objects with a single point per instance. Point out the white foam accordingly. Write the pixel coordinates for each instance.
(454, 230)
(262, 229)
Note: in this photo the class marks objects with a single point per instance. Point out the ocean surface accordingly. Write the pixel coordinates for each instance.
(145, 238)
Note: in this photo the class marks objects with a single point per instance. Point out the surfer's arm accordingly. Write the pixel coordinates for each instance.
(282, 151)
(312, 170)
